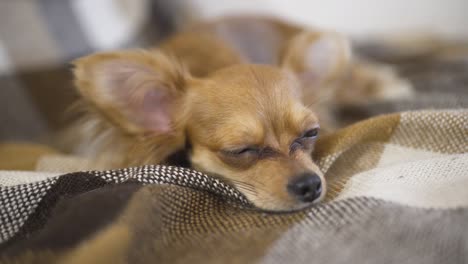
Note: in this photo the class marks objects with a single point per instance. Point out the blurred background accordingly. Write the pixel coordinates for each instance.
(360, 18)
(39, 38)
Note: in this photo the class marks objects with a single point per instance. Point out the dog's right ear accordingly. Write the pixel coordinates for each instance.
(317, 57)
(139, 91)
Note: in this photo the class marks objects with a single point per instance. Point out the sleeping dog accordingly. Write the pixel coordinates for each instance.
(238, 98)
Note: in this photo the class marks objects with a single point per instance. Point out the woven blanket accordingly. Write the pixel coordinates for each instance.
(398, 183)
(398, 194)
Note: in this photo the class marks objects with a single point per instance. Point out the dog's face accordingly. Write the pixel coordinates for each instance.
(245, 123)
(249, 125)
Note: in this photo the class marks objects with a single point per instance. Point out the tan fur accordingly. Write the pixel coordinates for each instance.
(217, 99)
(108, 246)
(115, 134)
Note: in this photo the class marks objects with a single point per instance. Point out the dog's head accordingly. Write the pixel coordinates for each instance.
(246, 123)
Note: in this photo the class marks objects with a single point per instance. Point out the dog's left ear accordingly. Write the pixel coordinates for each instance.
(317, 57)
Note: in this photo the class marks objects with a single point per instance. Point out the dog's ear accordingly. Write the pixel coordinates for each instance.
(317, 57)
(139, 91)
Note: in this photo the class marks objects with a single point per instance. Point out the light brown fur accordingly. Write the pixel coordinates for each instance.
(203, 87)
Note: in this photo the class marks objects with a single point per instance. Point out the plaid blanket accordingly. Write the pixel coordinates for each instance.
(397, 183)
(397, 195)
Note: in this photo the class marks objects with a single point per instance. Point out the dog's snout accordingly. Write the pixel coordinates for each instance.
(306, 187)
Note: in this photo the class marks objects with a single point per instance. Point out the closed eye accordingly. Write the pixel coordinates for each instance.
(305, 141)
(242, 157)
(312, 133)
(241, 151)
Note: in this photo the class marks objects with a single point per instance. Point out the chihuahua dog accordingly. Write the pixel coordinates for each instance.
(237, 98)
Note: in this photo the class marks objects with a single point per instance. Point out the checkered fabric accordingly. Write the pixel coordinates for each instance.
(18, 201)
(397, 182)
(397, 195)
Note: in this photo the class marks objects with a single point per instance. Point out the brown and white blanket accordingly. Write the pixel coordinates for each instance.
(398, 194)
(398, 182)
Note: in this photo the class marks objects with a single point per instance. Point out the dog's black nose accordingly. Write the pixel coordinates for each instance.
(306, 187)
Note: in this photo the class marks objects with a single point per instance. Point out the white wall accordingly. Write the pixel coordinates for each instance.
(356, 17)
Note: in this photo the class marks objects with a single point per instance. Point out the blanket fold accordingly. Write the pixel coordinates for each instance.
(397, 194)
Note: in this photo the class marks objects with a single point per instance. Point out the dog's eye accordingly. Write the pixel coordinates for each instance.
(241, 151)
(306, 141)
(242, 157)
(297, 144)
(313, 133)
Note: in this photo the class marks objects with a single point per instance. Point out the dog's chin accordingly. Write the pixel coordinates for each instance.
(281, 206)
